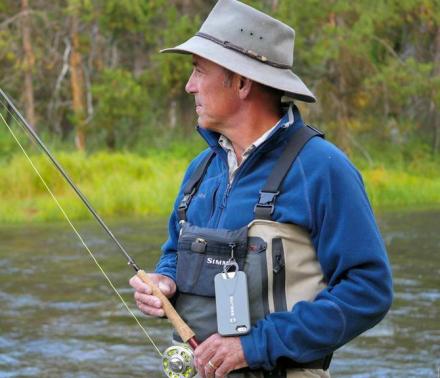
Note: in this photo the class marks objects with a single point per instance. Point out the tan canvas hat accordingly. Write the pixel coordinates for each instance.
(250, 43)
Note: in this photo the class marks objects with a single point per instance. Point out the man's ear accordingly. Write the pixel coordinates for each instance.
(244, 88)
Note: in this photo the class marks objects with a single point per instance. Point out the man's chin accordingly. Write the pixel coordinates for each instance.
(205, 127)
(204, 124)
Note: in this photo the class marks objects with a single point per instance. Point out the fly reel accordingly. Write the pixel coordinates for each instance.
(178, 362)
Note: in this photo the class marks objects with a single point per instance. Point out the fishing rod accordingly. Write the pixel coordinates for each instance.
(177, 360)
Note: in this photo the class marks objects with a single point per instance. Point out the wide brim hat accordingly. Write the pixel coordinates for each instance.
(249, 43)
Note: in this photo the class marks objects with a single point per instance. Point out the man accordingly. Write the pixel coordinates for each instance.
(317, 270)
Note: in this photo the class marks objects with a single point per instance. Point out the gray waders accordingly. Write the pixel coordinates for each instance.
(279, 261)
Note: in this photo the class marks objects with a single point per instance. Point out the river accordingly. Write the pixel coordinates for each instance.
(59, 317)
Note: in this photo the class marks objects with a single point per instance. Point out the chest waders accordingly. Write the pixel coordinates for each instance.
(279, 261)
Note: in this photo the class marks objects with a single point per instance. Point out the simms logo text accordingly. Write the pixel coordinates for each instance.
(213, 261)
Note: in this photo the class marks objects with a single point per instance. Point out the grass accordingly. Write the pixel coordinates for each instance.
(125, 184)
(390, 188)
(119, 184)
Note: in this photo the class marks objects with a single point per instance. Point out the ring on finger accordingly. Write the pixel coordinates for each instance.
(210, 364)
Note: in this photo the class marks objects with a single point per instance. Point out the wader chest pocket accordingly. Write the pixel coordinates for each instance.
(202, 253)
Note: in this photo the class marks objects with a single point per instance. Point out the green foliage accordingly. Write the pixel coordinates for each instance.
(119, 18)
(403, 82)
(368, 62)
(121, 104)
(125, 184)
(392, 188)
(171, 70)
(374, 66)
(116, 185)
(363, 59)
(8, 146)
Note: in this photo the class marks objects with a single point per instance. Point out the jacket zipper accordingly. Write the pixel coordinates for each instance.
(279, 275)
(226, 195)
(240, 170)
(214, 196)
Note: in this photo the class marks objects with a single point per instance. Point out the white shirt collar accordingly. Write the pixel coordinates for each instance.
(226, 144)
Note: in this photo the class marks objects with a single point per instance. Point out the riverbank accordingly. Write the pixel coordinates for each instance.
(124, 184)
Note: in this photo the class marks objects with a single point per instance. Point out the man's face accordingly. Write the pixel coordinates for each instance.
(214, 94)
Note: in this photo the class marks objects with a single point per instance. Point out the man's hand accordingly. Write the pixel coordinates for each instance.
(218, 355)
(146, 302)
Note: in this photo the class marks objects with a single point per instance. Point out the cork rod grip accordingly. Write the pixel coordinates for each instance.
(181, 327)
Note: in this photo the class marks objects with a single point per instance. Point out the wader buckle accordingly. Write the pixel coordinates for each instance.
(267, 200)
(186, 200)
(184, 203)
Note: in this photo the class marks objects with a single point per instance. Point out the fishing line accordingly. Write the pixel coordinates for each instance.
(74, 228)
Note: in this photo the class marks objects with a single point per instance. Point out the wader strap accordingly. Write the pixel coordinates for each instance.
(265, 206)
(192, 186)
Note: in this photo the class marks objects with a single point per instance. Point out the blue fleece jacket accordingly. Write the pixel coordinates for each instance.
(324, 194)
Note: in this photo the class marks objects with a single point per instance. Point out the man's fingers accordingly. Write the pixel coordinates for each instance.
(228, 364)
(137, 284)
(217, 356)
(148, 303)
(149, 300)
(207, 349)
(210, 368)
(204, 353)
(166, 285)
(223, 369)
(165, 288)
(152, 311)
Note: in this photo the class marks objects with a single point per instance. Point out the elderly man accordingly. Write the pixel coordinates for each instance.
(271, 199)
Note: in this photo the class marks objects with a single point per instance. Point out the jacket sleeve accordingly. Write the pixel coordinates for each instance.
(353, 258)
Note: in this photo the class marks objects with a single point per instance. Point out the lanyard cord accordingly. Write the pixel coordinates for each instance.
(75, 230)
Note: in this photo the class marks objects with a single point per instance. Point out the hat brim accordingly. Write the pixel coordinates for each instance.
(282, 79)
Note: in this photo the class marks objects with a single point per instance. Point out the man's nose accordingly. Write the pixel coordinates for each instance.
(190, 86)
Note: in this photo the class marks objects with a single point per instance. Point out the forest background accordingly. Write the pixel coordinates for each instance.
(88, 76)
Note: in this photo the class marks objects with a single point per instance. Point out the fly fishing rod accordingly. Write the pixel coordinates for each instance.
(177, 361)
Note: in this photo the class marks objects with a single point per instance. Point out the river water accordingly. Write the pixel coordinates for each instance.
(59, 318)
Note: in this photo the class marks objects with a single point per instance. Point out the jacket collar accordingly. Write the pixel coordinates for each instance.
(290, 121)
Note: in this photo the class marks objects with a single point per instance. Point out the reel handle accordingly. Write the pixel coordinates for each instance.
(184, 331)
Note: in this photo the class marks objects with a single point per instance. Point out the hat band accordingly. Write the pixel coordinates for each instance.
(249, 53)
